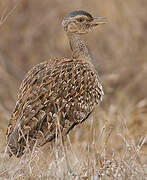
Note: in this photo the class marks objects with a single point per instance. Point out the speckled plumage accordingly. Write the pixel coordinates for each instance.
(64, 90)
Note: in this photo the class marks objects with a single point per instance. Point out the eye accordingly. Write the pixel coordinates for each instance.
(80, 20)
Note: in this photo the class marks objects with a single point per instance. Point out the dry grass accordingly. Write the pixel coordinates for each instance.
(110, 145)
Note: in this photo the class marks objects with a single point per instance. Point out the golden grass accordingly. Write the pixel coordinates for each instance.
(110, 145)
(104, 150)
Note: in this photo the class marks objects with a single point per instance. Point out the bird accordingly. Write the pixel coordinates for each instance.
(57, 94)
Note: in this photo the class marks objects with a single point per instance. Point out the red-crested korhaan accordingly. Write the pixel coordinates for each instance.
(57, 94)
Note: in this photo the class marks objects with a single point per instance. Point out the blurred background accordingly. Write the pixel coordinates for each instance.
(32, 33)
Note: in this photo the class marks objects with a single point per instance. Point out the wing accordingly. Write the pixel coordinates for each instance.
(57, 92)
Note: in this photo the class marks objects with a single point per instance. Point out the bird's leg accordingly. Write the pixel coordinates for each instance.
(66, 157)
(65, 149)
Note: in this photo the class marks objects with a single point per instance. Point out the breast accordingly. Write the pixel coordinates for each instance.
(68, 89)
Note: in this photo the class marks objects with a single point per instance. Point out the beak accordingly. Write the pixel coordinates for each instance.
(99, 20)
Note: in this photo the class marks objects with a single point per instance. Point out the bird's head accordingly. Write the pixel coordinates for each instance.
(81, 22)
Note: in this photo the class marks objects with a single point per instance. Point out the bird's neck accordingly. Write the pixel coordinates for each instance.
(78, 47)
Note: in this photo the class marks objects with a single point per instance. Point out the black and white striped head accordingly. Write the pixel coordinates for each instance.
(81, 22)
